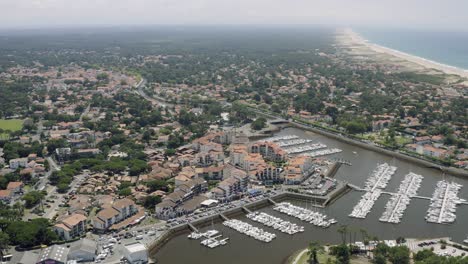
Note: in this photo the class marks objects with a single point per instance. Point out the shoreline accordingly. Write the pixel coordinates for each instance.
(350, 38)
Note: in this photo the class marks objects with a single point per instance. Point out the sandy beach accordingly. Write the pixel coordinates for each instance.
(352, 40)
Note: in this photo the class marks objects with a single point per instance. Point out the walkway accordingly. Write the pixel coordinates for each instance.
(299, 256)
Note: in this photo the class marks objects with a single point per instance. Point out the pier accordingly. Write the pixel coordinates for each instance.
(444, 203)
(223, 217)
(275, 223)
(305, 148)
(313, 217)
(250, 230)
(374, 187)
(271, 201)
(192, 227)
(397, 204)
(246, 210)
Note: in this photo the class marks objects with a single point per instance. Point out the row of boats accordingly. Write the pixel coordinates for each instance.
(293, 142)
(250, 230)
(397, 204)
(313, 217)
(305, 148)
(444, 201)
(211, 240)
(275, 222)
(323, 152)
(373, 187)
(281, 138)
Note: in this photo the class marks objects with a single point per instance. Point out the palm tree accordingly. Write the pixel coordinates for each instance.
(343, 230)
(314, 249)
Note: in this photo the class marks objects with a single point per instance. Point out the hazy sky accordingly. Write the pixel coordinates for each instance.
(446, 14)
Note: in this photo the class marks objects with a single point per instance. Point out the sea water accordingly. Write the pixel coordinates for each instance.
(445, 47)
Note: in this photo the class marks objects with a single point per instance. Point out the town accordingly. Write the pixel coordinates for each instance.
(103, 161)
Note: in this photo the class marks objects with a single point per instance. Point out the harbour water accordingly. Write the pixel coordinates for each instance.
(447, 48)
(246, 250)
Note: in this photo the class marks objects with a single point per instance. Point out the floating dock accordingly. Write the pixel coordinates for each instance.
(373, 187)
(397, 204)
(444, 202)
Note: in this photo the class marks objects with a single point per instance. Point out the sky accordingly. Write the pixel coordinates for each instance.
(432, 14)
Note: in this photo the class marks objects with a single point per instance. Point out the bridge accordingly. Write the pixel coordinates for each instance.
(192, 227)
(225, 218)
(271, 201)
(246, 210)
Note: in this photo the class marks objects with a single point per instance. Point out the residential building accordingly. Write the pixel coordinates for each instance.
(114, 213)
(269, 151)
(71, 226)
(15, 187)
(298, 169)
(17, 163)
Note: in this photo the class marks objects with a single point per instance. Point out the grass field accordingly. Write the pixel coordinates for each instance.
(10, 124)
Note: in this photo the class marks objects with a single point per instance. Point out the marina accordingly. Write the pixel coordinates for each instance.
(444, 202)
(275, 222)
(324, 152)
(211, 238)
(300, 149)
(397, 204)
(249, 230)
(281, 138)
(373, 187)
(275, 252)
(313, 217)
(293, 142)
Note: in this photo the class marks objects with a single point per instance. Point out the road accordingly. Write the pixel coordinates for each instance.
(85, 112)
(153, 99)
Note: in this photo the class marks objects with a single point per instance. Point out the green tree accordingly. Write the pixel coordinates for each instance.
(399, 255)
(125, 192)
(258, 124)
(342, 254)
(314, 249)
(4, 242)
(151, 201)
(32, 198)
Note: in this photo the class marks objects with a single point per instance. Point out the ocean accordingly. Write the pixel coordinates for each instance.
(449, 48)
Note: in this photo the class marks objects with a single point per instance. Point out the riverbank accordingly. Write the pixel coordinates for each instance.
(302, 257)
(352, 40)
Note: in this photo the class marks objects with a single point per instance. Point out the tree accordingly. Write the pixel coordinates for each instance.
(32, 198)
(151, 201)
(258, 124)
(343, 230)
(342, 254)
(379, 259)
(399, 255)
(314, 249)
(125, 192)
(4, 242)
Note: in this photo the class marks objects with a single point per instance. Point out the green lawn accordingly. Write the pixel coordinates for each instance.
(10, 124)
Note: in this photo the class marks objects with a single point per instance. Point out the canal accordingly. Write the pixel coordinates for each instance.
(246, 250)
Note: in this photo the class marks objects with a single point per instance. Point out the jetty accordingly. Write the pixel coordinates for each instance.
(249, 230)
(276, 223)
(397, 204)
(313, 217)
(373, 187)
(444, 202)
